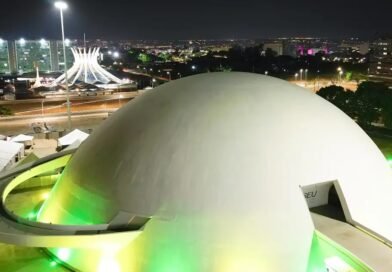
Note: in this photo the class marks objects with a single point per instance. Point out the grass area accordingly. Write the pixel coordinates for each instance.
(384, 143)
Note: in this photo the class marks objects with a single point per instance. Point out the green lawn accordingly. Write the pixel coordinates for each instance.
(384, 143)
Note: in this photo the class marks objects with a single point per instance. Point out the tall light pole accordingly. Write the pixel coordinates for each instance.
(42, 107)
(120, 96)
(301, 73)
(340, 73)
(306, 74)
(60, 5)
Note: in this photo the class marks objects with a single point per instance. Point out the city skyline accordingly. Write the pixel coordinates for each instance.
(202, 20)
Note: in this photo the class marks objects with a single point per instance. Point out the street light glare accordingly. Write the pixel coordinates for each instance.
(61, 5)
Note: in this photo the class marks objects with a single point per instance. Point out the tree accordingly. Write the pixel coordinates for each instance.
(340, 97)
(369, 101)
(387, 112)
(5, 111)
(269, 53)
(331, 93)
(144, 58)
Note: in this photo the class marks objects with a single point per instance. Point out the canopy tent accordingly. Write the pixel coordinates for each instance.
(10, 153)
(70, 138)
(22, 138)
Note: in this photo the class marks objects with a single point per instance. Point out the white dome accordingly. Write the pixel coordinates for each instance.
(217, 161)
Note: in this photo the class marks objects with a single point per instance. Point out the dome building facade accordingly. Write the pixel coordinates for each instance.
(212, 169)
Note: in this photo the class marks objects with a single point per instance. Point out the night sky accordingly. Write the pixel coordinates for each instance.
(203, 19)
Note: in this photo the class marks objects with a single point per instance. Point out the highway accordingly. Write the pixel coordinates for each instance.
(58, 104)
(81, 120)
(87, 112)
(315, 86)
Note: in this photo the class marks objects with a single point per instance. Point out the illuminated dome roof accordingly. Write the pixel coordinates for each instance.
(217, 161)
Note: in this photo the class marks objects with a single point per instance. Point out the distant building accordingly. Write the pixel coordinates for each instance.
(274, 46)
(354, 45)
(4, 63)
(22, 56)
(86, 69)
(296, 47)
(381, 59)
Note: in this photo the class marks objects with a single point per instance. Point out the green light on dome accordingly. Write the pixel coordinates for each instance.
(323, 250)
(32, 216)
(389, 160)
(63, 254)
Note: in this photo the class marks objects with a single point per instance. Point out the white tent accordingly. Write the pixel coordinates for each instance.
(10, 153)
(70, 138)
(25, 139)
(22, 138)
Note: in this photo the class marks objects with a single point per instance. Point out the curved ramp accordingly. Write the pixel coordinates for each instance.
(18, 231)
(367, 248)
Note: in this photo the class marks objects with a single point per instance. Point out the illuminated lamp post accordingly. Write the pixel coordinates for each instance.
(340, 73)
(61, 6)
(120, 96)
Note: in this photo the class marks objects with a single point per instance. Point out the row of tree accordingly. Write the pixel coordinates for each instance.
(4, 111)
(370, 103)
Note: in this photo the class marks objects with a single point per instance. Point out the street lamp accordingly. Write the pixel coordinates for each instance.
(306, 74)
(120, 96)
(43, 42)
(266, 73)
(340, 76)
(340, 73)
(152, 82)
(42, 107)
(301, 73)
(60, 5)
(169, 74)
(296, 76)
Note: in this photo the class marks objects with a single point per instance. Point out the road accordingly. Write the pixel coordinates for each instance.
(315, 86)
(83, 120)
(135, 72)
(58, 104)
